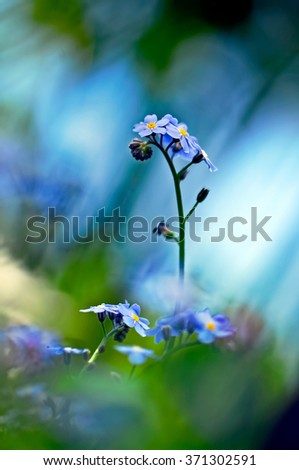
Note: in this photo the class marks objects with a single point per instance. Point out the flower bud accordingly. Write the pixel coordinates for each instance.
(202, 195)
(140, 149)
(166, 332)
(198, 158)
(183, 175)
(102, 316)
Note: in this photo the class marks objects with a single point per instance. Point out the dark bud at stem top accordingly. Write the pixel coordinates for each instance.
(140, 149)
(102, 316)
(198, 158)
(202, 195)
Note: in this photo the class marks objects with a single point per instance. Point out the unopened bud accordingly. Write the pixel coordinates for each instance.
(166, 332)
(198, 158)
(140, 149)
(102, 316)
(183, 175)
(202, 195)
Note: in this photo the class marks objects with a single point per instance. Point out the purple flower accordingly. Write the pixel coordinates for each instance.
(136, 354)
(179, 131)
(26, 348)
(209, 327)
(151, 125)
(131, 318)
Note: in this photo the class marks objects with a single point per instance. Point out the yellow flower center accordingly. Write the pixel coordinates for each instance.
(210, 326)
(135, 317)
(151, 125)
(183, 132)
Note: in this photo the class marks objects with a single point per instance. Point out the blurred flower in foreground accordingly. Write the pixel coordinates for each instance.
(68, 352)
(136, 354)
(26, 348)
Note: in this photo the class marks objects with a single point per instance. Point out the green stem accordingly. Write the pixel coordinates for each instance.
(181, 240)
(132, 372)
(101, 348)
(191, 211)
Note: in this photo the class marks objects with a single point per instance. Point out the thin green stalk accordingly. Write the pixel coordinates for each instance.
(101, 348)
(132, 372)
(191, 211)
(181, 240)
(184, 169)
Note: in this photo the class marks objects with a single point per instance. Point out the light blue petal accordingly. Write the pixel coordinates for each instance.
(150, 118)
(173, 131)
(136, 309)
(205, 336)
(162, 122)
(124, 349)
(140, 330)
(139, 127)
(146, 132)
(184, 144)
(144, 320)
(129, 321)
(123, 309)
(137, 358)
(160, 130)
(152, 331)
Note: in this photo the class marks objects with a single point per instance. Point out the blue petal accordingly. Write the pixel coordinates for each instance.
(129, 321)
(139, 330)
(205, 336)
(143, 325)
(173, 131)
(137, 358)
(124, 349)
(136, 309)
(139, 127)
(144, 320)
(162, 122)
(150, 118)
(184, 144)
(146, 132)
(160, 130)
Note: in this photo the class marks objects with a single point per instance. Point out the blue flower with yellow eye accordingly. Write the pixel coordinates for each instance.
(136, 354)
(179, 131)
(151, 125)
(210, 327)
(131, 318)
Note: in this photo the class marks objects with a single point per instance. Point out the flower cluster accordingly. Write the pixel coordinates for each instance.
(206, 326)
(122, 316)
(174, 138)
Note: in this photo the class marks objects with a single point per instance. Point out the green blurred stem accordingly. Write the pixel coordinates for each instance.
(101, 348)
(132, 372)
